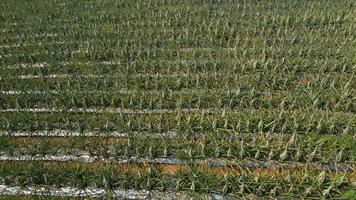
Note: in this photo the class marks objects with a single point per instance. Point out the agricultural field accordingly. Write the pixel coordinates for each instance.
(178, 99)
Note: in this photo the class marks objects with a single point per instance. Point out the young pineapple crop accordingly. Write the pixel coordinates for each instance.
(178, 99)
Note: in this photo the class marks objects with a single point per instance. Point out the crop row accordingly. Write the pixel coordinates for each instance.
(307, 184)
(182, 99)
(54, 51)
(245, 120)
(146, 45)
(265, 58)
(84, 157)
(309, 148)
(127, 80)
(291, 65)
(209, 34)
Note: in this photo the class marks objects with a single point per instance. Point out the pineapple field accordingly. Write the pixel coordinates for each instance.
(178, 99)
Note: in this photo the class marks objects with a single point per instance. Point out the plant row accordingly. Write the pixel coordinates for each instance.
(288, 185)
(309, 148)
(246, 120)
(260, 81)
(185, 99)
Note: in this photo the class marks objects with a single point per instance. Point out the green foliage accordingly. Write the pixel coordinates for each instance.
(270, 81)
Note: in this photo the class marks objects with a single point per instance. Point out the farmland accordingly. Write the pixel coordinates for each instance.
(178, 99)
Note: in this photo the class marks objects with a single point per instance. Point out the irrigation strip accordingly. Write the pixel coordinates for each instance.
(97, 76)
(108, 63)
(113, 110)
(190, 91)
(67, 133)
(138, 134)
(45, 64)
(94, 192)
(85, 157)
(30, 44)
